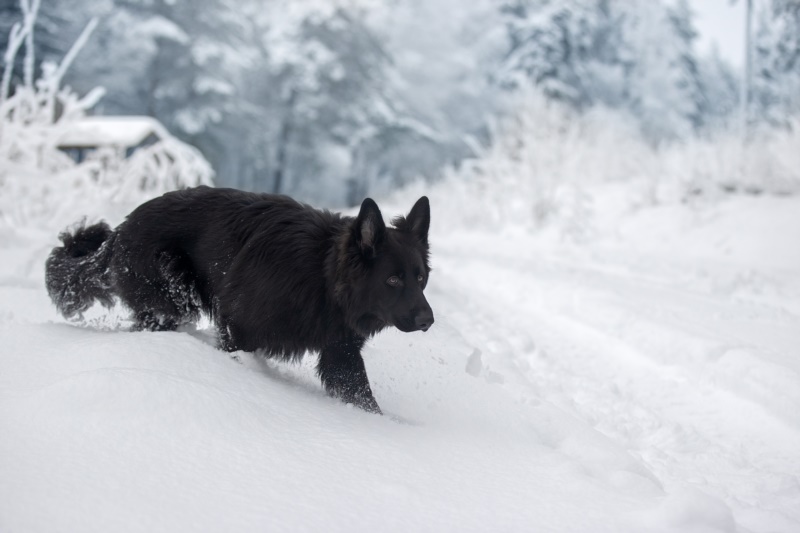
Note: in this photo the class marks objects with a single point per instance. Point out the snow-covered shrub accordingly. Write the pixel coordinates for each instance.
(535, 171)
(546, 159)
(769, 163)
(150, 171)
(39, 184)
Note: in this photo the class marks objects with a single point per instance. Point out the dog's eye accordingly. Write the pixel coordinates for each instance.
(394, 281)
(420, 278)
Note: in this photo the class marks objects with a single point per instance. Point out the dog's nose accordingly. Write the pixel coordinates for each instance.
(424, 320)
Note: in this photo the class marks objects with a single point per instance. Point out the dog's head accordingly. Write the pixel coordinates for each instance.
(388, 270)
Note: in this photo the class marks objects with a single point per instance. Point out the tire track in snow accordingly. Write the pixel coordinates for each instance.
(593, 343)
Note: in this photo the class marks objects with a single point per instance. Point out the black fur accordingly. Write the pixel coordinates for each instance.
(77, 273)
(275, 275)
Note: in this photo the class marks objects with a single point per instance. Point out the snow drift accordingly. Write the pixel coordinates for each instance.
(643, 381)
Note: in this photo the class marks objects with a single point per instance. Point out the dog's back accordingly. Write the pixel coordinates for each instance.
(240, 257)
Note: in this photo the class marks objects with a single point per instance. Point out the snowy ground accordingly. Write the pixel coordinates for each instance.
(648, 380)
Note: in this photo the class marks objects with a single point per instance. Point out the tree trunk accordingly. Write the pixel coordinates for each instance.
(283, 144)
(747, 75)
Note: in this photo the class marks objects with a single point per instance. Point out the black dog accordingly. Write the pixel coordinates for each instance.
(273, 274)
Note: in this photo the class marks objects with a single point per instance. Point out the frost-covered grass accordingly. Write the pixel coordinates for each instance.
(545, 161)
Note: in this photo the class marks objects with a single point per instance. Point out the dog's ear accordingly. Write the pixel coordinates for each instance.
(369, 228)
(418, 220)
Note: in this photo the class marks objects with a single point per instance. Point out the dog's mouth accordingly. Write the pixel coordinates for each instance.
(406, 326)
(411, 324)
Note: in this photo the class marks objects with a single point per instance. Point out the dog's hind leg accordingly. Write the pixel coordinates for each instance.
(180, 286)
(341, 369)
(149, 321)
(162, 299)
(227, 337)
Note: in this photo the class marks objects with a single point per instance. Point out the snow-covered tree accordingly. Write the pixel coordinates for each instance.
(323, 104)
(552, 45)
(664, 89)
(173, 60)
(720, 84)
(636, 54)
(327, 77)
(690, 82)
(776, 79)
(295, 97)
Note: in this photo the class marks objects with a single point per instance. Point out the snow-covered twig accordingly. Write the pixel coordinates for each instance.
(15, 39)
(29, 11)
(79, 43)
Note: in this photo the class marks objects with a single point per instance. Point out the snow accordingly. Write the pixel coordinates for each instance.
(645, 379)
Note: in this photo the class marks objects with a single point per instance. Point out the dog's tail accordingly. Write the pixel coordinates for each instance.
(76, 274)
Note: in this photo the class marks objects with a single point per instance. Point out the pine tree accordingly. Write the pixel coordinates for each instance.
(689, 82)
(665, 93)
(638, 55)
(787, 15)
(549, 44)
(325, 101)
(776, 80)
(721, 92)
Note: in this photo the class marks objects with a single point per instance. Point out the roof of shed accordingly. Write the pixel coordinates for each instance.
(125, 131)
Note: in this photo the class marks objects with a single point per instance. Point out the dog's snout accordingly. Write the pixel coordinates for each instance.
(424, 320)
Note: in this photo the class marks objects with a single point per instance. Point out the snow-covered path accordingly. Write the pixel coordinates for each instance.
(648, 381)
(700, 387)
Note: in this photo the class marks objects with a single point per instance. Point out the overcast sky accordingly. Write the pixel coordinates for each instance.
(722, 23)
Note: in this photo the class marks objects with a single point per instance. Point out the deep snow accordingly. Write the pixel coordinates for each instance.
(647, 379)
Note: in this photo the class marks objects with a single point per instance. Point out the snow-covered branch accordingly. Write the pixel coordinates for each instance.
(29, 10)
(75, 49)
(17, 36)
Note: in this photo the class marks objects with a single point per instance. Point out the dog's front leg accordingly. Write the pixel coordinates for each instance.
(341, 369)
